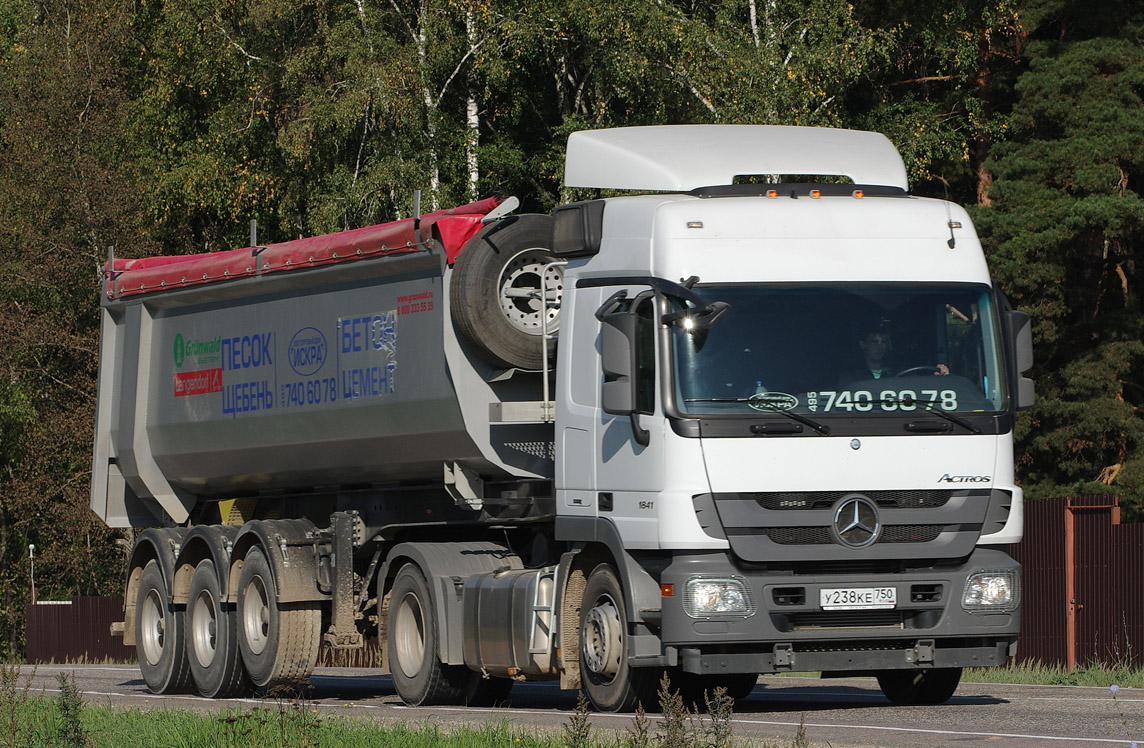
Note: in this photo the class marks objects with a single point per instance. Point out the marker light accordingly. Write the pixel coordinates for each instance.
(705, 597)
(816, 193)
(859, 194)
(772, 193)
(992, 590)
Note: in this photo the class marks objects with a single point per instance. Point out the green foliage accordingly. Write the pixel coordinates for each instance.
(1064, 233)
(161, 126)
(70, 731)
(578, 730)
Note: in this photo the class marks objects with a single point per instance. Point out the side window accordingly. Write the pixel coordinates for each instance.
(645, 355)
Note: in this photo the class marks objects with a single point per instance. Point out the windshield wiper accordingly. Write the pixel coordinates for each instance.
(965, 424)
(928, 407)
(757, 403)
(821, 428)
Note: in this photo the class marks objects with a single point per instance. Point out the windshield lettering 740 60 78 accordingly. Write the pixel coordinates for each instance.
(887, 401)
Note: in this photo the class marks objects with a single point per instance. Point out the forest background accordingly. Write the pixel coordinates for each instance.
(164, 127)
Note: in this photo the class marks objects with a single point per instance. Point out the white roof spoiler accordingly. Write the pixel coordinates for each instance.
(679, 158)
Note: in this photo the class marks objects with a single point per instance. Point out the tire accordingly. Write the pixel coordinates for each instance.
(917, 687)
(159, 640)
(486, 296)
(411, 645)
(278, 642)
(610, 683)
(212, 646)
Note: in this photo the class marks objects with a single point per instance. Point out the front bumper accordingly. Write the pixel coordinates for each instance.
(789, 631)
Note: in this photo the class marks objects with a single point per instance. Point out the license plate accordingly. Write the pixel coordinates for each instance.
(858, 598)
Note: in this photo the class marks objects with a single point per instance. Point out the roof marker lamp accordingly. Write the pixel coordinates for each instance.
(706, 597)
(993, 590)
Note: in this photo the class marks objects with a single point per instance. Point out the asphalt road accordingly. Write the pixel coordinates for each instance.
(844, 713)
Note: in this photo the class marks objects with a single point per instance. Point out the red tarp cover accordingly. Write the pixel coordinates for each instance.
(455, 226)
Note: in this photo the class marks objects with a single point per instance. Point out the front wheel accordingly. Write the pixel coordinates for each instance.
(611, 683)
(916, 687)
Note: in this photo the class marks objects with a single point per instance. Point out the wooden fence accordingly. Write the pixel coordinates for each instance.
(76, 630)
(1083, 578)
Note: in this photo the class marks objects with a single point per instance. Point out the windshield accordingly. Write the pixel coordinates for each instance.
(842, 349)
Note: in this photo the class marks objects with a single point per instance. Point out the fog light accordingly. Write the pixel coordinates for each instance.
(705, 597)
(992, 590)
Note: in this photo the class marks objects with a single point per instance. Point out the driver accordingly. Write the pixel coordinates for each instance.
(875, 344)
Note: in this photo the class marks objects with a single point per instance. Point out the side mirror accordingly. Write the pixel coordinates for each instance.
(618, 359)
(618, 353)
(1021, 345)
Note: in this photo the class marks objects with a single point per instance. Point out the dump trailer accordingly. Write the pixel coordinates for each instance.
(752, 416)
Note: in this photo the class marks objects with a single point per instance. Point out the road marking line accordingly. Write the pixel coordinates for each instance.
(739, 719)
(651, 717)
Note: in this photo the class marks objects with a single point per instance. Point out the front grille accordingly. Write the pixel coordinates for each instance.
(842, 568)
(794, 526)
(810, 620)
(862, 619)
(822, 535)
(799, 535)
(910, 533)
(796, 500)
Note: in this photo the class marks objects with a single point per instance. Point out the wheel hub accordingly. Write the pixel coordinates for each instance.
(520, 292)
(602, 639)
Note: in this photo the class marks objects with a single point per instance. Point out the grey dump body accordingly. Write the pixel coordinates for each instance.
(332, 377)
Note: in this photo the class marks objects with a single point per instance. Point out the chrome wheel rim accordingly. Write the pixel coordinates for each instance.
(520, 291)
(256, 615)
(204, 628)
(153, 628)
(410, 635)
(602, 640)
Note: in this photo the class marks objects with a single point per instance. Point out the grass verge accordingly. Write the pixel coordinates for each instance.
(32, 720)
(1026, 673)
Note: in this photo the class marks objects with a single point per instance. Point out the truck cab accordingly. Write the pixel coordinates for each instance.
(717, 421)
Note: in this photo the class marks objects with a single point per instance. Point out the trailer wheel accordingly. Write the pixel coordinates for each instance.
(278, 641)
(159, 635)
(418, 675)
(216, 666)
(919, 686)
(611, 683)
(494, 294)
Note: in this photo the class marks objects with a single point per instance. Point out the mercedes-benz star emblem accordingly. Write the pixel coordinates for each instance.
(856, 522)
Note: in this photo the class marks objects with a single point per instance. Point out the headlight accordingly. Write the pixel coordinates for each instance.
(704, 597)
(992, 590)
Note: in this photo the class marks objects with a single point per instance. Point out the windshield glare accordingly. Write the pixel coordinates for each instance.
(848, 350)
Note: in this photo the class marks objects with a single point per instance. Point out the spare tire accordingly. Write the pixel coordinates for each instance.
(495, 292)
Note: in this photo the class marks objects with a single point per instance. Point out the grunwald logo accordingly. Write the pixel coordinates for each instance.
(947, 478)
(202, 351)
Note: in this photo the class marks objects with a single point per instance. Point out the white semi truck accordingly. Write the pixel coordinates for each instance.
(729, 423)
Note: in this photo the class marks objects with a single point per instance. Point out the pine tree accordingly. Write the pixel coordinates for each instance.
(1066, 234)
